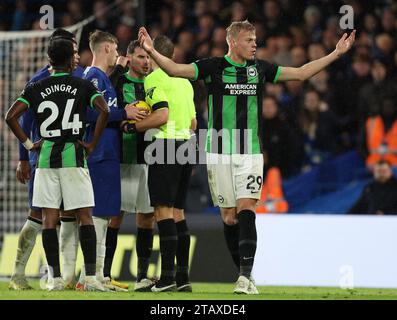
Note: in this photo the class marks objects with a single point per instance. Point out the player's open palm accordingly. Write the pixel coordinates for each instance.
(145, 40)
(345, 43)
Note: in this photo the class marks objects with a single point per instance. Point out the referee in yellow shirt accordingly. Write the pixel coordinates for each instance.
(173, 113)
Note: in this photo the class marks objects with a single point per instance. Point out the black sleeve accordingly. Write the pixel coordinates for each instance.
(269, 71)
(120, 96)
(91, 92)
(205, 67)
(116, 74)
(27, 95)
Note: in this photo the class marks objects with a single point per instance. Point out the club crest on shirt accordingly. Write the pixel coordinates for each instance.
(252, 72)
(149, 92)
(95, 82)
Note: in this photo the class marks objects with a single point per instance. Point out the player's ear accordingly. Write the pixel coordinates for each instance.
(107, 47)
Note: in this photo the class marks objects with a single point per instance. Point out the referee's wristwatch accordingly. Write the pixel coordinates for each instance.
(129, 127)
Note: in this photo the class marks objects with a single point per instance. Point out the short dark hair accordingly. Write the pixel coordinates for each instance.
(132, 46)
(97, 37)
(62, 33)
(164, 46)
(382, 162)
(60, 52)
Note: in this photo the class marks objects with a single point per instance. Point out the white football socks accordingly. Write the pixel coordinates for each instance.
(26, 242)
(69, 242)
(101, 225)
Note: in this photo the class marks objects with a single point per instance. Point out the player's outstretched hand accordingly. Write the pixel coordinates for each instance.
(144, 40)
(23, 171)
(345, 43)
(123, 61)
(88, 147)
(134, 113)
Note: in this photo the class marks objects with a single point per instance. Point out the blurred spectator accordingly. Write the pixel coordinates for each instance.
(283, 56)
(379, 196)
(273, 21)
(19, 18)
(298, 56)
(124, 34)
(238, 12)
(278, 140)
(128, 14)
(371, 93)
(312, 17)
(380, 136)
(75, 10)
(384, 46)
(319, 129)
(186, 42)
(206, 25)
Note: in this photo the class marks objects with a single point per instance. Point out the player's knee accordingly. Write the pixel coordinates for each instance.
(68, 214)
(246, 204)
(35, 214)
(84, 216)
(145, 221)
(115, 222)
(179, 215)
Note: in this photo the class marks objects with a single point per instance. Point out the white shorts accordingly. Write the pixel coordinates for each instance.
(233, 177)
(134, 188)
(73, 186)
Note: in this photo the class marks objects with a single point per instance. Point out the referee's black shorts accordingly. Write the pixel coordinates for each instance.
(168, 182)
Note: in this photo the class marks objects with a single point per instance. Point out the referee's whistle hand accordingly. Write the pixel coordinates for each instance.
(134, 113)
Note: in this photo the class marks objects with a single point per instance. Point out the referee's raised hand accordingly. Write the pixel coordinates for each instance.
(345, 43)
(145, 40)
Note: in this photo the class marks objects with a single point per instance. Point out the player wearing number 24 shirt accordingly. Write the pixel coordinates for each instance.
(59, 103)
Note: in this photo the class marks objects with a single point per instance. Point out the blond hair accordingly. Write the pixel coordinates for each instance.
(235, 27)
(98, 37)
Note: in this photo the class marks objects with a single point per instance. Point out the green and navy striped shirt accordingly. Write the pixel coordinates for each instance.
(234, 102)
(129, 90)
(60, 104)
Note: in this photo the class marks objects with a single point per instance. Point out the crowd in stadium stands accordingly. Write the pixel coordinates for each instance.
(350, 105)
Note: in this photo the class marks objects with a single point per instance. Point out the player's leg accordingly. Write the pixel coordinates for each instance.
(111, 243)
(47, 194)
(248, 170)
(69, 242)
(51, 248)
(168, 246)
(78, 195)
(221, 183)
(183, 248)
(128, 196)
(144, 244)
(145, 228)
(162, 189)
(26, 241)
(105, 177)
(231, 231)
(112, 232)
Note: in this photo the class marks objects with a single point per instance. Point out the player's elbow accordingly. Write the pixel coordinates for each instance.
(301, 74)
(9, 118)
(163, 116)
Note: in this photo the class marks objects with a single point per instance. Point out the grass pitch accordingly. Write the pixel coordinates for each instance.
(206, 291)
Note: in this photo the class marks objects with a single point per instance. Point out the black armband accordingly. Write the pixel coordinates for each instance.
(160, 105)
